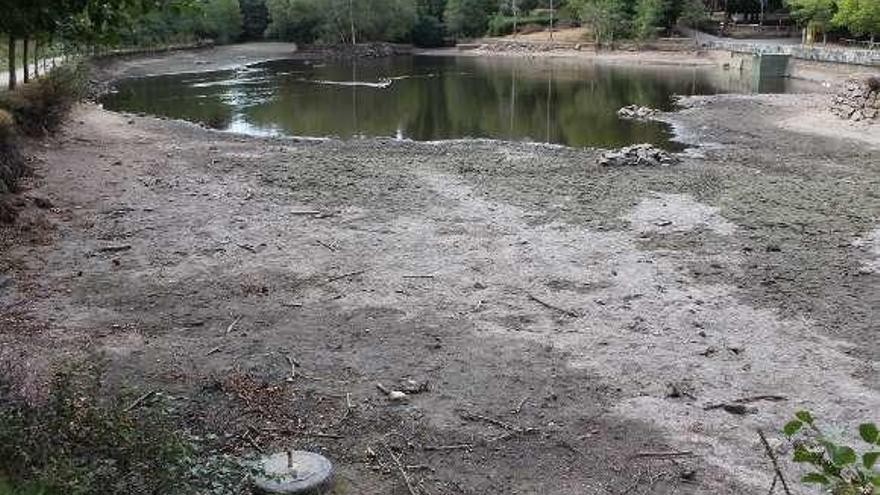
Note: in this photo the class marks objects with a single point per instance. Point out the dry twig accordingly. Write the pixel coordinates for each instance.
(564, 311)
(774, 461)
(232, 325)
(402, 471)
(140, 400)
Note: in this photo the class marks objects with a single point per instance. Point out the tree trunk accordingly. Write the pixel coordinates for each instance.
(36, 59)
(12, 72)
(25, 61)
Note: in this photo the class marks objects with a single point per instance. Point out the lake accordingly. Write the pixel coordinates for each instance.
(429, 98)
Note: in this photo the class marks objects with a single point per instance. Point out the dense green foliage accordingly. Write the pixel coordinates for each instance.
(859, 17)
(649, 15)
(341, 21)
(70, 443)
(838, 468)
(255, 19)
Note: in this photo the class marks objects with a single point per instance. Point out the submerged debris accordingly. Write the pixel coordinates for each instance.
(636, 112)
(639, 155)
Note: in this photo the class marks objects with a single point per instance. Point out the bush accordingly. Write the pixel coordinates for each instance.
(501, 25)
(74, 443)
(40, 107)
(428, 32)
(12, 165)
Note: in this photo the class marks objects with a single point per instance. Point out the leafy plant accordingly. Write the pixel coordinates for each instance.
(840, 469)
(80, 441)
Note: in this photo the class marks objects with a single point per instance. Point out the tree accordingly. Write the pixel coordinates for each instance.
(255, 18)
(606, 18)
(468, 18)
(814, 15)
(222, 20)
(691, 13)
(649, 16)
(860, 17)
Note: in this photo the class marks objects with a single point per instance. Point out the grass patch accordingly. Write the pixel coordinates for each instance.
(79, 439)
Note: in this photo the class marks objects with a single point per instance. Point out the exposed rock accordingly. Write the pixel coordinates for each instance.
(636, 112)
(858, 100)
(639, 155)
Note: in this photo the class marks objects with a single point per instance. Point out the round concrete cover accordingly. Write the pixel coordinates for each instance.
(295, 472)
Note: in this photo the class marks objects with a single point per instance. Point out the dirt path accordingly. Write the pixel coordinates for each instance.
(564, 317)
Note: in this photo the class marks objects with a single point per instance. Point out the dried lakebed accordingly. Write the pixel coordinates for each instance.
(570, 320)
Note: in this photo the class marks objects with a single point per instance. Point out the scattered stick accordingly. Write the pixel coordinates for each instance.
(140, 400)
(564, 311)
(253, 443)
(775, 462)
(213, 351)
(660, 455)
(418, 276)
(520, 405)
(756, 398)
(231, 326)
(773, 485)
(305, 212)
(291, 362)
(738, 409)
(345, 275)
(457, 446)
(328, 246)
(383, 389)
(318, 434)
(400, 468)
(492, 421)
(247, 247)
(114, 249)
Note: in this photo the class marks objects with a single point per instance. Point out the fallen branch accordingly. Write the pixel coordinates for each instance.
(213, 351)
(114, 249)
(140, 400)
(418, 276)
(305, 212)
(564, 311)
(774, 461)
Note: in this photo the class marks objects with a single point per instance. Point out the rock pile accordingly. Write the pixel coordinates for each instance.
(636, 112)
(859, 100)
(361, 50)
(527, 47)
(639, 155)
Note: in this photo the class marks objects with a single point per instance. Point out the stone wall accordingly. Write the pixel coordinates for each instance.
(858, 100)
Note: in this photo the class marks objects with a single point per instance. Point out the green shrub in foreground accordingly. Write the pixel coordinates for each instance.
(41, 106)
(838, 468)
(74, 443)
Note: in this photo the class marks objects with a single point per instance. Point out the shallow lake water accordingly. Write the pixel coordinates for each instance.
(428, 98)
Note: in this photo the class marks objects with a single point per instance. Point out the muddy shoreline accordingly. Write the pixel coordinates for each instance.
(595, 312)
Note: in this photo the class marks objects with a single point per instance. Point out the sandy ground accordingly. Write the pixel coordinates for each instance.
(565, 318)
